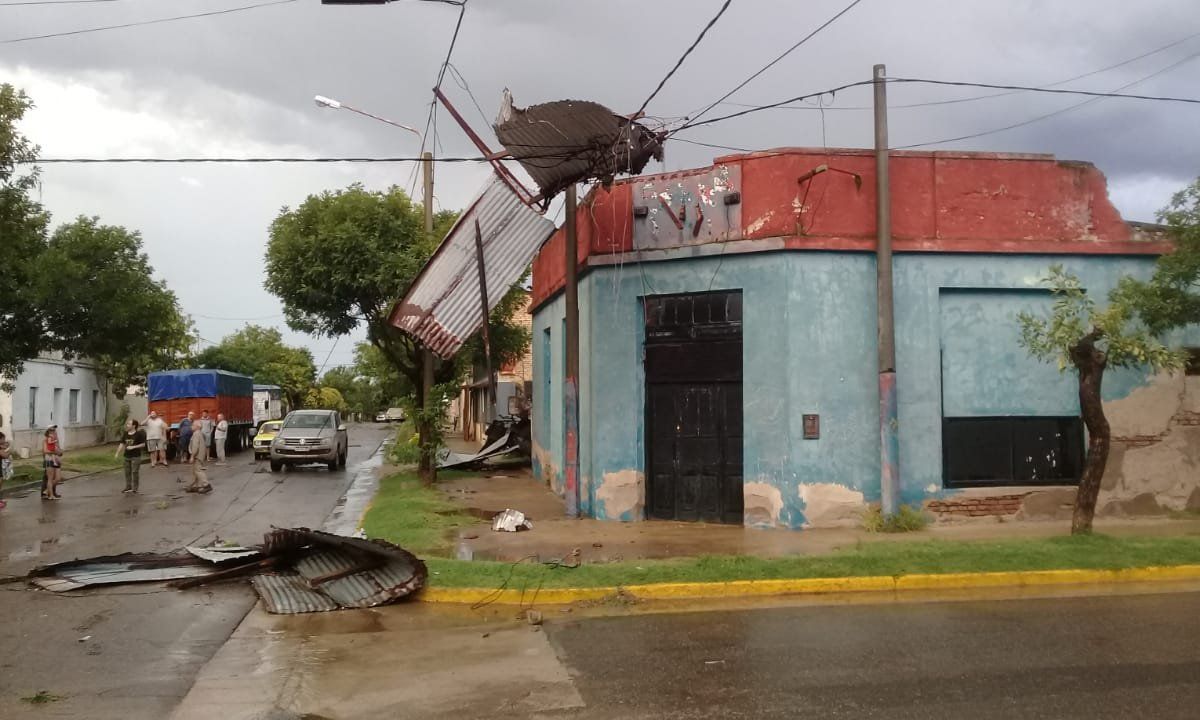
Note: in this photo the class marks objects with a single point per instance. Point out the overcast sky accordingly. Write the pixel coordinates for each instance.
(241, 84)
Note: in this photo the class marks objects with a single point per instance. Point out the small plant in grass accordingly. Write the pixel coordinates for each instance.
(42, 697)
(906, 519)
(406, 450)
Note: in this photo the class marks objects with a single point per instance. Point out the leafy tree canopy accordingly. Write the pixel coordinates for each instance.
(86, 290)
(1171, 298)
(325, 398)
(261, 353)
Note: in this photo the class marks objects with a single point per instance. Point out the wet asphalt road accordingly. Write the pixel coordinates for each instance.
(133, 651)
(1095, 658)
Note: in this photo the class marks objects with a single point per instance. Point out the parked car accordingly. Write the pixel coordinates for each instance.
(263, 437)
(381, 416)
(395, 414)
(310, 436)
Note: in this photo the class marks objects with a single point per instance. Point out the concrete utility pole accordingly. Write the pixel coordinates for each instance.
(889, 438)
(571, 382)
(428, 467)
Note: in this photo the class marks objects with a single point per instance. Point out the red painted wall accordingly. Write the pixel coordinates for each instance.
(941, 202)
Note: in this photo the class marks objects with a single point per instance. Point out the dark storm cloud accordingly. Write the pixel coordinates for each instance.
(248, 78)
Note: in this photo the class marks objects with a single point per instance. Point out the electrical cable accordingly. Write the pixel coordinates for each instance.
(138, 23)
(1055, 113)
(769, 65)
(759, 108)
(565, 157)
(974, 98)
(661, 83)
(1055, 91)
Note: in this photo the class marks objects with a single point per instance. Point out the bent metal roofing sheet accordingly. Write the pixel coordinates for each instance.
(442, 307)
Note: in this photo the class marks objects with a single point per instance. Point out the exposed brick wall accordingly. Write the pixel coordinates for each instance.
(977, 506)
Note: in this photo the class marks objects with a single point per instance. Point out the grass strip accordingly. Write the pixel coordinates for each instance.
(420, 519)
(875, 558)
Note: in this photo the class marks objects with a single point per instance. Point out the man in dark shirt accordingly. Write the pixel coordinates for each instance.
(133, 443)
(185, 437)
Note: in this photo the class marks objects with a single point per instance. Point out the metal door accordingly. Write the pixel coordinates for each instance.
(694, 407)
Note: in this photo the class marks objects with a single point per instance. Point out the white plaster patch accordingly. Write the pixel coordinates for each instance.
(831, 505)
(762, 503)
(623, 491)
(759, 223)
(932, 488)
(1148, 409)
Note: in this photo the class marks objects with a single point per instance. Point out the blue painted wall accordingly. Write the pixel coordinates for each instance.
(809, 334)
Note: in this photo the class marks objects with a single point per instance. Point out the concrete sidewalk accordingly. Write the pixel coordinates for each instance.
(555, 535)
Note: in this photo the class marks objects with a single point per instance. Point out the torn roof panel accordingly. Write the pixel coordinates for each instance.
(289, 594)
(442, 307)
(568, 141)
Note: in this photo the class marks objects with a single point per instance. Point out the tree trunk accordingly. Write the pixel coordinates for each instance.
(1090, 363)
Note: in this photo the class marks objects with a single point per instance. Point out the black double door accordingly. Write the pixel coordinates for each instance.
(694, 406)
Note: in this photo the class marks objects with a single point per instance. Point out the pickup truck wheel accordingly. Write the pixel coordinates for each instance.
(276, 466)
(342, 459)
(333, 465)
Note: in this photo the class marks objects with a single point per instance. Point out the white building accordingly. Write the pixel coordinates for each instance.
(71, 394)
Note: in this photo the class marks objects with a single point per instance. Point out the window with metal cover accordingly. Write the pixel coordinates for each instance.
(73, 406)
(693, 316)
(996, 451)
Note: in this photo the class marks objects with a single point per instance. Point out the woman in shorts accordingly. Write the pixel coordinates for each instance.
(52, 462)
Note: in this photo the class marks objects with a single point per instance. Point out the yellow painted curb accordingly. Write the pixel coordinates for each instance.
(811, 586)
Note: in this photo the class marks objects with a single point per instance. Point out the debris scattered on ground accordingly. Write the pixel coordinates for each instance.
(295, 570)
(533, 617)
(511, 521)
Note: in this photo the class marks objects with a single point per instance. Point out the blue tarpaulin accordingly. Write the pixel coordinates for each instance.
(175, 384)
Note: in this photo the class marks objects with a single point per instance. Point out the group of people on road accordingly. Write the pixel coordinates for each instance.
(196, 437)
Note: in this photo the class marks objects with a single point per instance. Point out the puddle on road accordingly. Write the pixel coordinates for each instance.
(353, 504)
(38, 547)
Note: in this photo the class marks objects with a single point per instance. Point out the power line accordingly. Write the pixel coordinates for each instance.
(974, 98)
(711, 145)
(759, 108)
(259, 160)
(1054, 91)
(661, 83)
(210, 13)
(771, 64)
(1060, 111)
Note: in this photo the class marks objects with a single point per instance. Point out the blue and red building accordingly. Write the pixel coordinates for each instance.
(728, 343)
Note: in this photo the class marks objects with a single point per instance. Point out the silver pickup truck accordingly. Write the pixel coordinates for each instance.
(310, 436)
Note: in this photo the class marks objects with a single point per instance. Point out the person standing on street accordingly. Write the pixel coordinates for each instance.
(206, 432)
(6, 464)
(52, 453)
(185, 436)
(133, 443)
(156, 439)
(221, 436)
(199, 474)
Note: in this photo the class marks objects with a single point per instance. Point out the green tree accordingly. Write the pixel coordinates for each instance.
(1089, 339)
(392, 388)
(99, 299)
(261, 353)
(342, 258)
(361, 395)
(325, 398)
(1171, 298)
(23, 226)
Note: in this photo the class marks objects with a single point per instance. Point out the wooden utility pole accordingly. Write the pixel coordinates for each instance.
(427, 468)
(889, 437)
(487, 334)
(571, 381)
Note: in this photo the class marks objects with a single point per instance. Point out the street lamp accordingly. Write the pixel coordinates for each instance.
(332, 104)
(427, 469)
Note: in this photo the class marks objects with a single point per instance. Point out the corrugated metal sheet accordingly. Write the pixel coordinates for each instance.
(223, 554)
(568, 141)
(117, 570)
(288, 594)
(367, 588)
(442, 307)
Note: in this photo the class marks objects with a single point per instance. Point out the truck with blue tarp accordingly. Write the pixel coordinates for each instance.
(175, 393)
